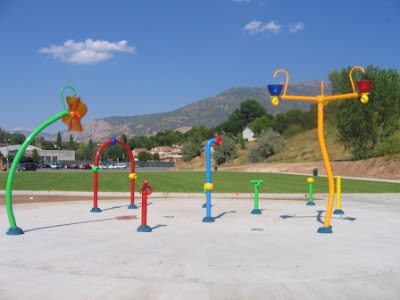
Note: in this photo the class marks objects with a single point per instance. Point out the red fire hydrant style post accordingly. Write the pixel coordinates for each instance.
(145, 190)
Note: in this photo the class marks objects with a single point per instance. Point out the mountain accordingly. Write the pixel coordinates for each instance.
(209, 112)
(27, 132)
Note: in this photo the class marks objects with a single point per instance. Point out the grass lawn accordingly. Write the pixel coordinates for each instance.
(183, 182)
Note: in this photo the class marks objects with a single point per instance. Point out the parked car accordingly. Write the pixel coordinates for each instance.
(27, 166)
(85, 166)
(121, 166)
(73, 166)
(45, 166)
(55, 165)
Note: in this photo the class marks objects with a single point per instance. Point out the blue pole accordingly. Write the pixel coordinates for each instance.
(208, 186)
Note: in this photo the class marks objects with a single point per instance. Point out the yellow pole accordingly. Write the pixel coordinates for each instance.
(326, 228)
(338, 193)
(338, 210)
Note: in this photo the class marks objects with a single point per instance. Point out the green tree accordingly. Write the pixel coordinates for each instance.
(247, 112)
(90, 150)
(292, 122)
(199, 134)
(123, 138)
(80, 152)
(269, 143)
(3, 134)
(35, 156)
(58, 141)
(16, 138)
(47, 145)
(233, 127)
(71, 142)
(140, 142)
(168, 138)
(226, 151)
(113, 152)
(190, 150)
(364, 127)
(144, 156)
(262, 123)
(155, 157)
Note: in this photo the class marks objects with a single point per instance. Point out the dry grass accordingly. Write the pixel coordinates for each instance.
(303, 147)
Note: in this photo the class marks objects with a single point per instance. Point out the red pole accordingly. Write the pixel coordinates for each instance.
(95, 170)
(145, 190)
(95, 188)
(144, 208)
(132, 160)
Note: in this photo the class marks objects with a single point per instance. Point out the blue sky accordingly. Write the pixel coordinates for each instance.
(136, 57)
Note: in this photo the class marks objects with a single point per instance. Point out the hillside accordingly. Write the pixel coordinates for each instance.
(303, 156)
(303, 147)
(209, 112)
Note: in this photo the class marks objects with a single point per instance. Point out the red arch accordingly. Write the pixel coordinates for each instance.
(112, 141)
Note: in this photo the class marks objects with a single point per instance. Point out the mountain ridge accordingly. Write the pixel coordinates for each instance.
(209, 112)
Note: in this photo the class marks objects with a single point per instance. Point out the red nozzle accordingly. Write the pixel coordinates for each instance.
(218, 140)
(364, 86)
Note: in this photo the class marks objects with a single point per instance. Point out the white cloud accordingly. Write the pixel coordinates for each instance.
(242, 1)
(296, 27)
(255, 27)
(272, 26)
(87, 52)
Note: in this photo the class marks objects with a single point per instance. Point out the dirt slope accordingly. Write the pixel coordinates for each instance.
(377, 168)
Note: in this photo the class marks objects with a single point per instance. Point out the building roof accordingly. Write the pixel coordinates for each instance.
(138, 150)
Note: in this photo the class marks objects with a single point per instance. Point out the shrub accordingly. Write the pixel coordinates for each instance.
(389, 147)
(226, 151)
(269, 143)
(190, 150)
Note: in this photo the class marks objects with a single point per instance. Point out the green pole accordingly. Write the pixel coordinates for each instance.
(310, 181)
(256, 183)
(14, 230)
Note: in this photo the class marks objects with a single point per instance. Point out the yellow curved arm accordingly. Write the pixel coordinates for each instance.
(287, 79)
(351, 76)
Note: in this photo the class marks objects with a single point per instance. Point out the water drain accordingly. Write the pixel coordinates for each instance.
(256, 229)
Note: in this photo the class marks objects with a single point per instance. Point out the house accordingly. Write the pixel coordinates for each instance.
(248, 134)
(163, 152)
(136, 152)
(167, 153)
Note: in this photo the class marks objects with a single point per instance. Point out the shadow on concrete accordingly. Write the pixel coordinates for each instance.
(158, 226)
(114, 207)
(318, 217)
(69, 224)
(126, 205)
(224, 213)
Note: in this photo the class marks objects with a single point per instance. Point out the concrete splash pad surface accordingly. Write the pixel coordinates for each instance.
(69, 253)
